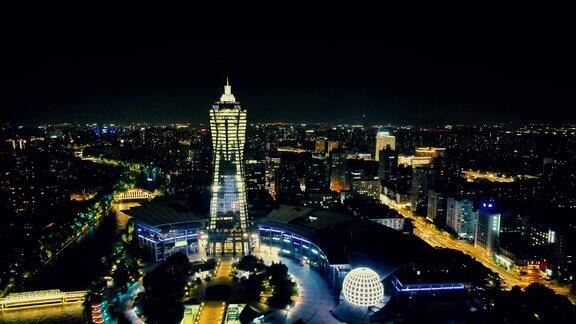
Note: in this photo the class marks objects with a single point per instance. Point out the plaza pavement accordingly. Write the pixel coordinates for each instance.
(314, 303)
(214, 311)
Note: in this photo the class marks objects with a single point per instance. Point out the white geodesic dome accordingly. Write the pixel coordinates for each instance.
(362, 287)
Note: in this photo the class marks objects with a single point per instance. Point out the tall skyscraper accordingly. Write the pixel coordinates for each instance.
(383, 140)
(387, 164)
(488, 228)
(228, 209)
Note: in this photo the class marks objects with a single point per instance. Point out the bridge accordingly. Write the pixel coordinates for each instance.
(41, 298)
(135, 194)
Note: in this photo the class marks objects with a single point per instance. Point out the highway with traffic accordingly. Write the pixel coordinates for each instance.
(438, 238)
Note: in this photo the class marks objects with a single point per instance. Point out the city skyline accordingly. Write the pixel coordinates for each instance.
(417, 169)
(477, 211)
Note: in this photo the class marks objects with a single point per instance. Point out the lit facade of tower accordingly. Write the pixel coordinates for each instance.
(383, 140)
(228, 209)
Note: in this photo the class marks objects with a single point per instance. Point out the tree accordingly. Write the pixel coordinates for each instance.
(254, 285)
(251, 263)
(284, 288)
(121, 277)
(278, 273)
(164, 290)
(199, 266)
(537, 303)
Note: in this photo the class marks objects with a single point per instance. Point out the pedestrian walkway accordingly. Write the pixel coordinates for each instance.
(214, 311)
(224, 269)
(314, 301)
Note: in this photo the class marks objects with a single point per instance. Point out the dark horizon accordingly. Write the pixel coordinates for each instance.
(475, 73)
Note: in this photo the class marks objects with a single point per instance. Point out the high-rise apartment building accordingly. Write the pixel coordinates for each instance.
(338, 171)
(228, 209)
(461, 217)
(436, 211)
(255, 175)
(423, 179)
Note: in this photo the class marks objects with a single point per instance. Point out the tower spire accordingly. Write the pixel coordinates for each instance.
(227, 96)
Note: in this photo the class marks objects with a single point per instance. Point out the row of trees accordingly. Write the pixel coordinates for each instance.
(537, 303)
(123, 265)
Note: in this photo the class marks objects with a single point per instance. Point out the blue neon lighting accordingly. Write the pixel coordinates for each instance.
(426, 287)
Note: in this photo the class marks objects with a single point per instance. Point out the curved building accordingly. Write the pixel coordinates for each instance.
(228, 209)
(334, 243)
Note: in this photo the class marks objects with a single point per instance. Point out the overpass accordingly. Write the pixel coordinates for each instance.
(41, 298)
(135, 194)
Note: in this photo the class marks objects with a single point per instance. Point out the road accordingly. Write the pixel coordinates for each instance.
(436, 238)
(127, 302)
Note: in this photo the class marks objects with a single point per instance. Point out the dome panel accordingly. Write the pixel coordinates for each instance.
(362, 287)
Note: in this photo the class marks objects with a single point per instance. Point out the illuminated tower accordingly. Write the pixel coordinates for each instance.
(228, 210)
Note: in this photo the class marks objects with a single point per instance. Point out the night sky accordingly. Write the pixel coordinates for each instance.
(159, 68)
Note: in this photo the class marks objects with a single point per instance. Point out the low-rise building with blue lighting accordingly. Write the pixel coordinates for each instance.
(426, 279)
(165, 228)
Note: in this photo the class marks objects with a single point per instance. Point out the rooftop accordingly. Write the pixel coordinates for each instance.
(350, 240)
(306, 220)
(161, 213)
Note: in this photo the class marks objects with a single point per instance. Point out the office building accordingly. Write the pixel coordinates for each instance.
(488, 227)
